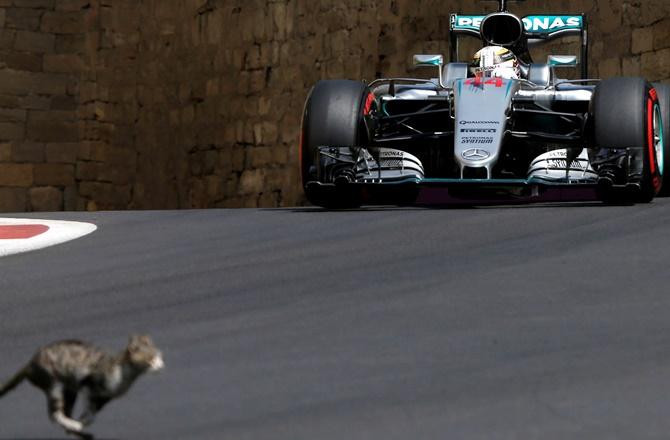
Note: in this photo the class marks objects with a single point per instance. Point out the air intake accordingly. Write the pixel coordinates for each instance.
(501, 29)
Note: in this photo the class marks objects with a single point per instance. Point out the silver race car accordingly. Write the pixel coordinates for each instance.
(497, 127)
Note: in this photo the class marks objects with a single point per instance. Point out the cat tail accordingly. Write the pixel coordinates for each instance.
(14, 381)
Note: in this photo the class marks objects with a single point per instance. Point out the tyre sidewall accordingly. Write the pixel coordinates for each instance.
(622, 111)
(652, 178)
(663, 91)
(332, 116)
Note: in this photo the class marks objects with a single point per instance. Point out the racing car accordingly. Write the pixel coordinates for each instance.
(495, 127)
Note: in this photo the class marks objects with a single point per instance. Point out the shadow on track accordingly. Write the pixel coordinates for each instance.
(317, 209)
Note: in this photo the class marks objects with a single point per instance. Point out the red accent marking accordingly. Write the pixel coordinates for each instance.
(10, 232)
(650, 135)
(478, 81)
(368, 103)
(653, 94)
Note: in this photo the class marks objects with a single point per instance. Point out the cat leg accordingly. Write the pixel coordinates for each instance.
(70, 399)
(95, 404)
(57, 410)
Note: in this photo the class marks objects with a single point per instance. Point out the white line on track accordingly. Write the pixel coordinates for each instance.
(58, 232)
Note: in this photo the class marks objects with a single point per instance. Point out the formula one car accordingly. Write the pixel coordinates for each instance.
(498, 127)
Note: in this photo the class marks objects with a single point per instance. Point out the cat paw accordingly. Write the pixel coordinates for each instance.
(68, 424)
(74, 426)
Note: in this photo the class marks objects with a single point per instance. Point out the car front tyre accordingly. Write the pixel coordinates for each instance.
(332, 116)
(627, 118)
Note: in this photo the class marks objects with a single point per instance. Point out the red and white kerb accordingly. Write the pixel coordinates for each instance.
(24, 235)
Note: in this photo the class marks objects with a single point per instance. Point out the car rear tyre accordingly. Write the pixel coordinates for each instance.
(333, 116)
(627, 117)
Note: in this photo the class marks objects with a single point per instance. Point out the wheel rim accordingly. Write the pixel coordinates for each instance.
(658, 138)
(654, 142)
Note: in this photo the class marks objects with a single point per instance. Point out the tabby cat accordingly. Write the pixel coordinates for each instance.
(63, 369)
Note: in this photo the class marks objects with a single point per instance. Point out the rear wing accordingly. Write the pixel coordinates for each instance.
(537, 28)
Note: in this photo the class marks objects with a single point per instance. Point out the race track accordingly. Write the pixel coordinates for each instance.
(531, 322)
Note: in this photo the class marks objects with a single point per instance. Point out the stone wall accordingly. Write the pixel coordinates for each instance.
(147, 104)
(42, 47)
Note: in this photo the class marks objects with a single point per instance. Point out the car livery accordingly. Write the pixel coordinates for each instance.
(531, 23)
(484, 138)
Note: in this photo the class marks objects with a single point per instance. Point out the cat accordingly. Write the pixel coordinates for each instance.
(64, 368)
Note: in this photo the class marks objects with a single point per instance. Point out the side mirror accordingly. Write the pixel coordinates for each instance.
(428, 60)
(431, 61)
(562, 60)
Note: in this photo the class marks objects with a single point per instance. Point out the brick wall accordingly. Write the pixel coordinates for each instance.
(143, 104)
(42, 57)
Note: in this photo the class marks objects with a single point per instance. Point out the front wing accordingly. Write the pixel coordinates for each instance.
(437, 192)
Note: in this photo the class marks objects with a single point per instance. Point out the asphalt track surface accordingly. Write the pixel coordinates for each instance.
(531, 322)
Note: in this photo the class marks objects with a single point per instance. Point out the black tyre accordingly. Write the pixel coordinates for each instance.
(626, 117)
(333, 116)
(663, 91)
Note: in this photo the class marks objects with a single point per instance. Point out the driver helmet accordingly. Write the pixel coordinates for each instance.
(495, 62)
